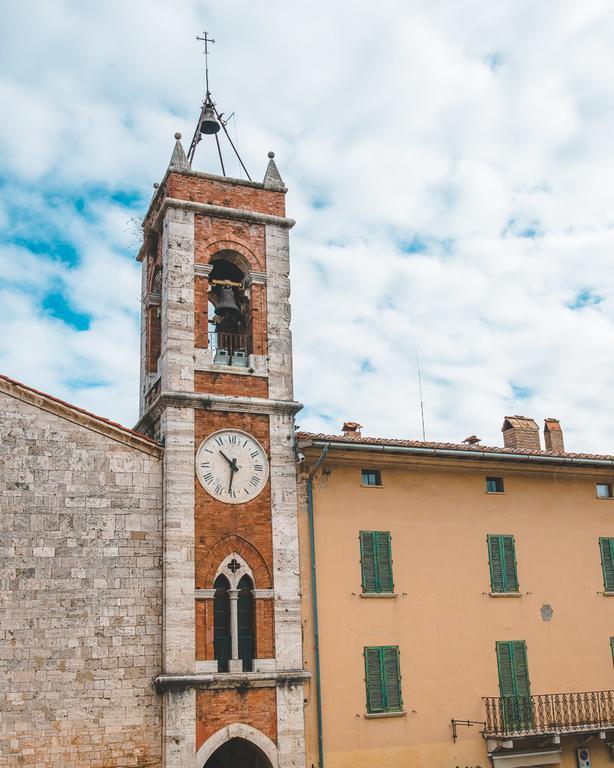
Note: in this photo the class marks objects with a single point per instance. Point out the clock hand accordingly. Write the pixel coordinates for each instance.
(227, 459)
(232, 474)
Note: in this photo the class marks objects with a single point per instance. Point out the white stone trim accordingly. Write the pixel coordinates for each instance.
(257, 365)
(204, 594)
(237, 731)
(234, 578)
(206, 666)
(206, 209)
(255, 278)
(203, 270)
(264, 665)
(263, 594)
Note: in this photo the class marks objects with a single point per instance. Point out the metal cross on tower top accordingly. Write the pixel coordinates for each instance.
(210, 120)
(206, 40)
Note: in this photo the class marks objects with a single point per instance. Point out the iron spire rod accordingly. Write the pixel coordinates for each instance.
(219, 117)
(197, 137)
(219, 151)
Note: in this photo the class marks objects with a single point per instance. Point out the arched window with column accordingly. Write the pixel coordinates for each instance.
(222, 641)
(245, 623)
(234, 635)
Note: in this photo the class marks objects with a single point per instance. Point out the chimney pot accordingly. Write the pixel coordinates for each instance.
(520, 433)
(472, 440)
(351, 429)
(553, 436)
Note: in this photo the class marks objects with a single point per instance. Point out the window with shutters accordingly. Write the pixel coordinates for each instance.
(376, 562)
(502, 563)
(245, 622)
(383, 679)
(514, 687)
(606, 545)
(221, 623)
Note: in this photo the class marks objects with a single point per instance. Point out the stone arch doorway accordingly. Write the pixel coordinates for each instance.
(238, 753)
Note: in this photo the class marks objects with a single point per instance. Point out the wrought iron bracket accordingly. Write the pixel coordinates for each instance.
(466, 723)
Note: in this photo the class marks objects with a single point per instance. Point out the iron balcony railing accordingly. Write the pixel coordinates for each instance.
(549, 713)
(229, 346)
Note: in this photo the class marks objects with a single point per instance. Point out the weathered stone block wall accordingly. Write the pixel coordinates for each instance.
(80, 591)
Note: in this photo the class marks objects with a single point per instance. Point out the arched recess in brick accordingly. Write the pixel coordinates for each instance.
(235, 252)
(208, 567)
(237, 731)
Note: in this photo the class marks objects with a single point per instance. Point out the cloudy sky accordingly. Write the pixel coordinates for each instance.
(450, 170)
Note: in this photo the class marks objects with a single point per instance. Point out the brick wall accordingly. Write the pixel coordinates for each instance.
(216, 709)
(230, 384)
(222, 192)
(212, 234)
(81, 577)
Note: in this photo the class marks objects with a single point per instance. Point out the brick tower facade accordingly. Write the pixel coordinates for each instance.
(216, 390)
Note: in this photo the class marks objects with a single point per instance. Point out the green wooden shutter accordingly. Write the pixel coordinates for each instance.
(514, 685)
(509, 563)
(392, 677)
(376, 561)
(612, 648)
(384, 562)
(607, 563)
(373, 680)
(367, 561)
(495, 561)
(383, 679)
(502, 563)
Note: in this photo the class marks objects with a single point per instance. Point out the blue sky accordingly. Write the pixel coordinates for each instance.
(449, 166)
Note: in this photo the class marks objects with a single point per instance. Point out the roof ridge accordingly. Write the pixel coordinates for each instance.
(101, 420)
(477, 448)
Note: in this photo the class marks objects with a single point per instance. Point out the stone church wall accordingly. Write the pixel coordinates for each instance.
(80, 593)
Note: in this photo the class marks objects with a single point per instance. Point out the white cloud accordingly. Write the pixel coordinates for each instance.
(476, 135)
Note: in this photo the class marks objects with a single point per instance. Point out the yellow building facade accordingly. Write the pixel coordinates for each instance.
(464, 599)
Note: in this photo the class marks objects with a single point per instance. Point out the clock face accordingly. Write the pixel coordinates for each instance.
(232, 466)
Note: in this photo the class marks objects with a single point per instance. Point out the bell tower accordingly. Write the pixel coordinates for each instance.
(216, 390)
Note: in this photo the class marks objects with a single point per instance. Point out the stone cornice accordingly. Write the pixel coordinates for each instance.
(229, 680)
(220, 211)
(215, 403)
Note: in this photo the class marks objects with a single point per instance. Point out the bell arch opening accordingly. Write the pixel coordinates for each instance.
(238, 753)
(229, 312)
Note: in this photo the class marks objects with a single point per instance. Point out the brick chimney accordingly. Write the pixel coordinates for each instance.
(553, 436)
(351, 429)
(520, 433)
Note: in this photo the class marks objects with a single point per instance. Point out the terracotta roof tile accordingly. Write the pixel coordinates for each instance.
(394, 442)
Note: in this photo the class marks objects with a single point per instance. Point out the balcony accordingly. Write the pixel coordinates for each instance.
(230, 348)
(550, 713)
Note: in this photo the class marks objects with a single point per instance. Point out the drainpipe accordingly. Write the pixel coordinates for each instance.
(314, 600)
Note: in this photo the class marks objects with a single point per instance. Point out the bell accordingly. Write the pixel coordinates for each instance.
(227, 302)
(209, 124)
